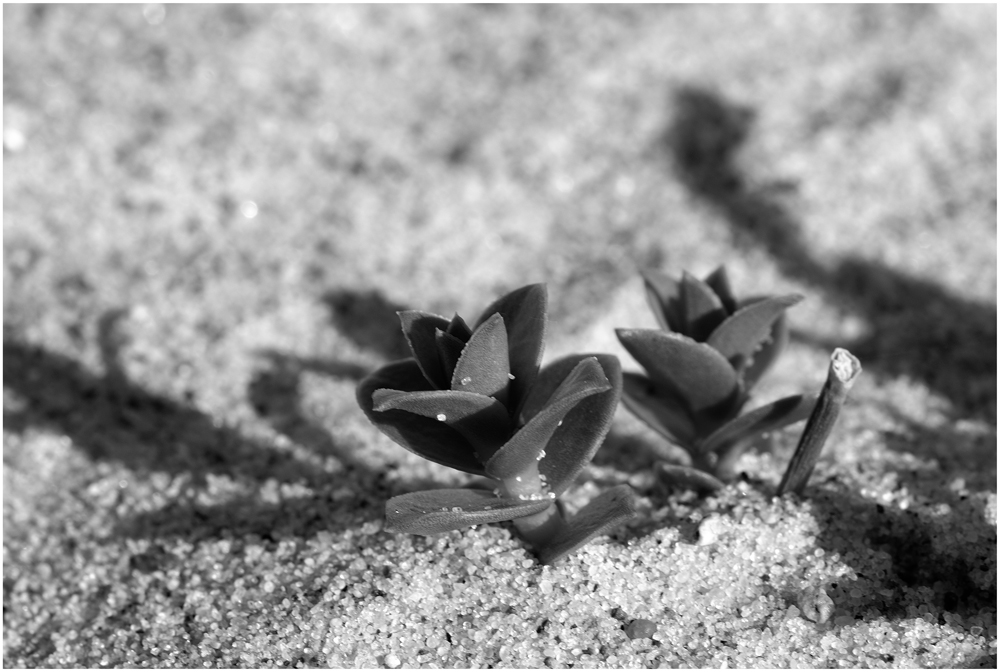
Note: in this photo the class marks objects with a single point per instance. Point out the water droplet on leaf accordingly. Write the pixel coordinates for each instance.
(442, 417)
(465, 381)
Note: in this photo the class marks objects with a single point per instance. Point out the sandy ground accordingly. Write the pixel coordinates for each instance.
(211, 215)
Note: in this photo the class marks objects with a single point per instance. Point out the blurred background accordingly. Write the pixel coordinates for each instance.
(204, 203)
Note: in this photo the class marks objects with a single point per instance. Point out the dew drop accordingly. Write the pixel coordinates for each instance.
(442, 417)
(560, 424)
(249, 209)
(511, 376)
(465, 381)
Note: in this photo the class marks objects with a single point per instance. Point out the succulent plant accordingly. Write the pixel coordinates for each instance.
(476, 400)
(701, 367)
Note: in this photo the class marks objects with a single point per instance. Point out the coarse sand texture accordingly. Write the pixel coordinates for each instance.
(212, 215)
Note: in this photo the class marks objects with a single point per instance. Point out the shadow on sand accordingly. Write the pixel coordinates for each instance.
(917, 327)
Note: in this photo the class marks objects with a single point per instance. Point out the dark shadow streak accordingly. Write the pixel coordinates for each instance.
(274, 394)
(368, 319)
(298, 518)
(911, 538)
(112, 419)
(917, 328)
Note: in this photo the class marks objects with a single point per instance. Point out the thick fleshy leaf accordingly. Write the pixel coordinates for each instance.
(602, 514)
(660, 409)
(575, 441)
(436, 511)
(703, 310)
(420, 330)
(523, 449)
(450, 350)
(482, 420)
(695, 372)
(428, 437)
(767, 418)
(768, 352)
(483, 367)
(743, 332)
(663, 294)
(459, 329)
(718, 280)
(688, 478)
(523, 312)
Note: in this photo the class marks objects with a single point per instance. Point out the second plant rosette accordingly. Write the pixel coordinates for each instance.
(476, 400)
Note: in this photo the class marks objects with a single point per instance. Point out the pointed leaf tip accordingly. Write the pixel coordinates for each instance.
(484, 367)
(524, 315)
(703, 310)
(663, 294)
(420, 330)
(718, 280)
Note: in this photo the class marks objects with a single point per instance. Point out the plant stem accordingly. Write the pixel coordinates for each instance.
(540, 528)
(537, 529)
(844, 370)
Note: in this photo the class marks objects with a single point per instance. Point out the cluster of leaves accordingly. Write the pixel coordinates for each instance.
(475, 399)
(701, 368)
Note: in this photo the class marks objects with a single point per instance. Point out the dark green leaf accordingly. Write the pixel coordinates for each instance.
(523, 312)
(420, 328)
(767, 353)
(660, 409)
(522, 451)
(604, 513)
(718, 280)
(459, 329)
(703, 310)
(692, 371)
(483, 367)
(767, 418)
(436, 511)
(743, 332)
(427, 437)
(687, 478)
(482, 420)
(663, 294)
(574, 443)
(450, 350)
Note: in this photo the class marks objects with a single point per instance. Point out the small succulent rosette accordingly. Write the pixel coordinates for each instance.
(474, 399)
(701, 367)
